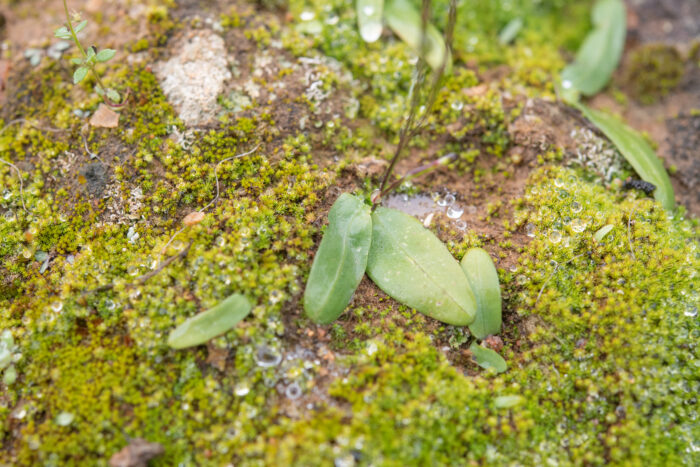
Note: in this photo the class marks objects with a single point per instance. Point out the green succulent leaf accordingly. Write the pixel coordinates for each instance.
(483, 278)
(402, 17)
(487, 358)
(413, 266)
(510, 31)
(637, 152)
(602, 232)
(104, 55)
(211, 323)
(341, 260)
(62, 33)
(369, 19)
(600, 53)
(80, 26)
(79, 74)
(506, 402)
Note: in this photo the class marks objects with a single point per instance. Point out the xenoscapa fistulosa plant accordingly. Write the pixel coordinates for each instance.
(89, 57)
(405, 260)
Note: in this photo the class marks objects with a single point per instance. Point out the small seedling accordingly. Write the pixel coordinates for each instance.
(405, 260)
(89, 58)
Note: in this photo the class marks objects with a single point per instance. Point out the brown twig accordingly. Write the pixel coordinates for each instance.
(143, 278)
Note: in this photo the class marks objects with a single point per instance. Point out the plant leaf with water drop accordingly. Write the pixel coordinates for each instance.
(637, 152)
(487, 358)
(600, 53)
(602, 232)
(369, 19)
(483, 278)
(211, 323)
(402, 17)
(413, 266)
(341, 260)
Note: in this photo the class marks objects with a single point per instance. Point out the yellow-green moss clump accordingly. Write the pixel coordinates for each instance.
(600, 336)
(653, 71)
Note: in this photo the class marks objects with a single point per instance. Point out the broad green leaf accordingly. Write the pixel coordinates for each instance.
(510, 31)
(90, 52)
(487, 358)
(413, 266)
(80, 26)
(406, 22)
(602, 232)
(600, 52)
(76, 61)
(637, 152)
(369, 19)
(506, 402)
(341, 260)
(483, 278)
(104, 55)
(79, 74)
(209, 324)
(62, 33)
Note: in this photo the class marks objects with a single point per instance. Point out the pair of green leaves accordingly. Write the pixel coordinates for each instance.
(90, 59)
(595, 63)
(406, 22)
(407, 262)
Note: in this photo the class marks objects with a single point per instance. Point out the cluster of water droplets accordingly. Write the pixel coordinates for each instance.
(596, 154)
(425, 207)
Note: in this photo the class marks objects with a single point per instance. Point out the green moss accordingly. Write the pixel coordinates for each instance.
(653, 71)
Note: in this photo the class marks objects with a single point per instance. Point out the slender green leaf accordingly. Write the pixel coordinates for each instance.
(602, 232)
(80, 26)
(506, 402)
(637, 152)
(413, 266)
(79, 74)
(510, 31)
(209, 324)
(483, 278)
(369, 19)
(402, 17)
(104, 55)
(487, 358)
(341, 260)
(600, 52)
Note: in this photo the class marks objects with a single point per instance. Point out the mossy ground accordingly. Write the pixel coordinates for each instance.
(600, 337)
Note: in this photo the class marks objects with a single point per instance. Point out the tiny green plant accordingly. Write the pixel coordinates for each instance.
(405, 260)
(89, 57)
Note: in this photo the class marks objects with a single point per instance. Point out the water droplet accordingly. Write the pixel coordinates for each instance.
(20, 413)
(446, 200)
(293, 391)
(57, 306)
(307, 15)
(220, 241)
(578, 225)
(566, 84)
(136, 293)
(576, 207)
(332, 19)
(457, 105)
(554, 236)
(521, 279)
(460, 225)
(241, 389)
(371, 348)
(371, 31)
(64, 418)
(530, 230)
(110, 305)
(559, 182)
(691, 311)
(132, 270)
(455, 211)
(267, 357)
(275, 296)
(10, 215)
